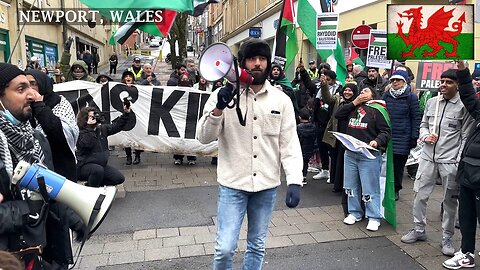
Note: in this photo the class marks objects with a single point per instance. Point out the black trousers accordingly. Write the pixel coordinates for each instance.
(128, 152)
(113, 68)
(97, 175)
(468, 215)
(306, 159)
(338, 173)
(323, 149)
(398, 168)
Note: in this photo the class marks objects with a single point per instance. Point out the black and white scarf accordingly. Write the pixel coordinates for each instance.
(21, 141)
(5, 154)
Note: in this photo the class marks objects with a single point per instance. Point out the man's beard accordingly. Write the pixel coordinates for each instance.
(259, 78)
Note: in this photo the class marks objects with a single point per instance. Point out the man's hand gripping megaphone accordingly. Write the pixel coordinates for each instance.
(225, 95)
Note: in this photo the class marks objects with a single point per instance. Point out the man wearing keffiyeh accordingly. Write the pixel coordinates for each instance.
(20, 212)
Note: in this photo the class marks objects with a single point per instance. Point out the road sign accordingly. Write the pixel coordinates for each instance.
(361, 36)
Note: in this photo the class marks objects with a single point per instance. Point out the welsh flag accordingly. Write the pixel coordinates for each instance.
(159, 28)
(307, 16)
(286, 39)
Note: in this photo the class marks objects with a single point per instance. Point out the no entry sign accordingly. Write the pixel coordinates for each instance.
(361, 36)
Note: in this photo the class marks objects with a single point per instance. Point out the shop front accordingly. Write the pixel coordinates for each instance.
(45, 52)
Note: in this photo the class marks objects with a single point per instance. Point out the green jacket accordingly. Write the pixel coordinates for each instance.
(67, 69)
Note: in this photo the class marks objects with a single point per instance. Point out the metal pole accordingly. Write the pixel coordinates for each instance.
(19, 32)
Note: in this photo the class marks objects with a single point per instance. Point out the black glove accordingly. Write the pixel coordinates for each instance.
(225, 95)
(68, 44)
(413, 143)
(80, 233)
(293, 196)
(35, 208)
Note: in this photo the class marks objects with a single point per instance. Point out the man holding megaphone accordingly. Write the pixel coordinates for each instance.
(250, 155)
(24, 214)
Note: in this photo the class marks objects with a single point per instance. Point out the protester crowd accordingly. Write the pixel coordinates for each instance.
(297, 119)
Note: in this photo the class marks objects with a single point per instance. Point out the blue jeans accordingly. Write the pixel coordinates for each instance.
(362, 175)
(232, 205)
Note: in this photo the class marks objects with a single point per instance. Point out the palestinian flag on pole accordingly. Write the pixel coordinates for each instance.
(446, 32)
(306, 18)
(286, 38)
(159, 28)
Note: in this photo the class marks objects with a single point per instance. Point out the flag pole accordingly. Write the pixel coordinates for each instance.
(278, 34)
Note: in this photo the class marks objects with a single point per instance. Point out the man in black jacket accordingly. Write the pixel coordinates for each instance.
(92, 148)
(467, 176)
(374, 80)
(23, 223)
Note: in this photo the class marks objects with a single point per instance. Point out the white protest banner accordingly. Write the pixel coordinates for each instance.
(327, 29)
(353, 144)
(164, 119)
(377, 50)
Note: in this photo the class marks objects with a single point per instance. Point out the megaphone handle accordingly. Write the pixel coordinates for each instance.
(93, 215)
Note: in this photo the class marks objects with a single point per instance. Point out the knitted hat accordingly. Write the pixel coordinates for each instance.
(368, 68)
(476, 74)
(8, 72)
(254, 47)
(400, 74)
(106, 76)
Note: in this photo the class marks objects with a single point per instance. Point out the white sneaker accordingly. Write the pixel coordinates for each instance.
(351, 219)
(322, 174)
(373, 225)
(313, 169)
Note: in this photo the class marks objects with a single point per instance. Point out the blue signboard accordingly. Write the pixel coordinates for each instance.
(477, 66)
(255, 32)
(51, 57)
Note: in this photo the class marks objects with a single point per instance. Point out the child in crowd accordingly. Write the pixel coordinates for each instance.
(307, 136)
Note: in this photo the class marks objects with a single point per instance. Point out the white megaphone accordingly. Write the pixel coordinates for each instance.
(80, 198)
(217, 61)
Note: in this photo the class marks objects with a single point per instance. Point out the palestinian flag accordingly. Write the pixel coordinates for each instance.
(355, 58)
(159, 28)
(446, 32)
(286, 39)
(105, 6)
(327, 22)
(307, 20)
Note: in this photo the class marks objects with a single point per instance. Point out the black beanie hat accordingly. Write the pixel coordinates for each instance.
(255, 47)
(8, 72)
(450, 74)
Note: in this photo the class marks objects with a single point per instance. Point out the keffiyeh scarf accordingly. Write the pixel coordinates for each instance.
(21, 141)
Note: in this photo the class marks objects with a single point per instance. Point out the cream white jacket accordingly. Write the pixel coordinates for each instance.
(250, 157)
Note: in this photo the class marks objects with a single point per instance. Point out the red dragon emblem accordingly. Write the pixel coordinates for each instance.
(430, 35)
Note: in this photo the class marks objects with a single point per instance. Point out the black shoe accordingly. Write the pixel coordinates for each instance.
(137, 160)
(397, 196)
(129, 160)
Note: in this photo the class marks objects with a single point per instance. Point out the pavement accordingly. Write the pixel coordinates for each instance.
(166, 220)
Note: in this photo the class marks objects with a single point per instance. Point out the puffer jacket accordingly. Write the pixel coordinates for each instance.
(67, 69)
(405, 117)
(92, 145)
(307, 135)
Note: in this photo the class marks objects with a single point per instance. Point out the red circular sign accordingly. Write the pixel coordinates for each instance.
(361, 36)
